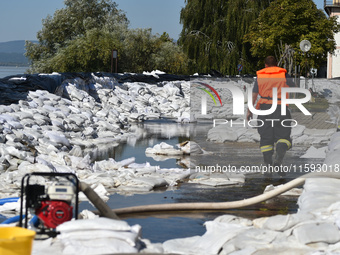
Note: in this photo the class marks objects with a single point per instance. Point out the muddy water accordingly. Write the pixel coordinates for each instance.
(161, 227)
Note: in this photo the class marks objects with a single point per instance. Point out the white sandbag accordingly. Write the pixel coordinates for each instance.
(334, 144)
(232, 219)
(190, 147)
(58, 114)
(94, 224)
(297, 131)
(58, 123)
(221, 134)
(12, 138)
(163, 149)
(185, 117)
(217, 234)
(183, 246)
(27, 122)
(42, 161)
(175, 178)
(285, 222)
(136, 165)
(105, 165)
(319, 193)
(125, 162)
(23, 115)
(49, 108)
(86, 215)
(97, 187)
(102, 113)
(5, 109)
(255, 238)
(97, 246)
(129, 237)
(136, 116)
(126, 188)
(75, 110)
(8, 117)
(65, 110)
(154, 182)
(15, 124)
(317, 232)
(313, 152)
(78, 162)
(58, 138)
(64, 169)
(332, 161)
(171, 90)
(16, 153)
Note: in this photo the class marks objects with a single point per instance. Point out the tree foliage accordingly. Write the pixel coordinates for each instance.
(81, 37)
(213, 31)
(289, 22)
(144, 51)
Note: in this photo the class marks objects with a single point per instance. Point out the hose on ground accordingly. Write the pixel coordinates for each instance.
(8, 200)
(102, 207)
(11, 220)
(223, 205)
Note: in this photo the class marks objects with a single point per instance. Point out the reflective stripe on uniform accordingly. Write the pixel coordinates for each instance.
(286, 142)
(266, 148)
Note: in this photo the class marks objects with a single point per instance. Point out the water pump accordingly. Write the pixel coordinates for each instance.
(53, 203)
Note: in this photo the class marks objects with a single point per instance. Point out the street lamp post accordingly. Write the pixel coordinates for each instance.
(305, 46)
(114, 56)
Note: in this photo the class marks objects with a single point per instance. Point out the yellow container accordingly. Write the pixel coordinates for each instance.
(16, 241)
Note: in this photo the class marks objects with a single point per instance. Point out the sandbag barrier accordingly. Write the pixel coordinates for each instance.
(16, 87)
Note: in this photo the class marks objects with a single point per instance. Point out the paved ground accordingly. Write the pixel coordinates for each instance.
(318, 120)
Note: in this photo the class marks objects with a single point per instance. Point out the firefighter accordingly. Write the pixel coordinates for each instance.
(272, 132)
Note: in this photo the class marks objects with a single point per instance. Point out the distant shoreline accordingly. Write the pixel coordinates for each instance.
(15, 64)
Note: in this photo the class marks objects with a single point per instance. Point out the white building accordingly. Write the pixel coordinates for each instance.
(332, 8)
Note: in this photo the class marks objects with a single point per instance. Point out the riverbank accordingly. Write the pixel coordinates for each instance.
(68, 130)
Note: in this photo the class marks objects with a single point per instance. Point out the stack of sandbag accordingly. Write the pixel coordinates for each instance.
(99, 236)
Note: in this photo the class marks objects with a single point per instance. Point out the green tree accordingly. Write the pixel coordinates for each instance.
(289, 22)
(213, 31)
(170, 58)
(81, 36)
(91, 52)
(71, 24)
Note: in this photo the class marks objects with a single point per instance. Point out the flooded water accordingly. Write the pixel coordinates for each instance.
(149, 134)
(12, 70)
(165, 226)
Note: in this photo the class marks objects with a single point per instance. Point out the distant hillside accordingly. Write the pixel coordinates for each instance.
(12, 53)
(13, 47)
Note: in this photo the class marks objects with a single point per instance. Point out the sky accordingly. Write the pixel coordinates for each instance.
(22, 19)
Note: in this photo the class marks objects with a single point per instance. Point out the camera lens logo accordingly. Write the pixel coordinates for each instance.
(204, 98)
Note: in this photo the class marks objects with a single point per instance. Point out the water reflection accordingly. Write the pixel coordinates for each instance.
(148, 134)
(185, 224)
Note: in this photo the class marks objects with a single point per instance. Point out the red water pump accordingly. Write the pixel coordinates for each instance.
(53, 203)
(53, 212)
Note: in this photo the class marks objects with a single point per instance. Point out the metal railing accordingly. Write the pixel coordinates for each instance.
(331, 3)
